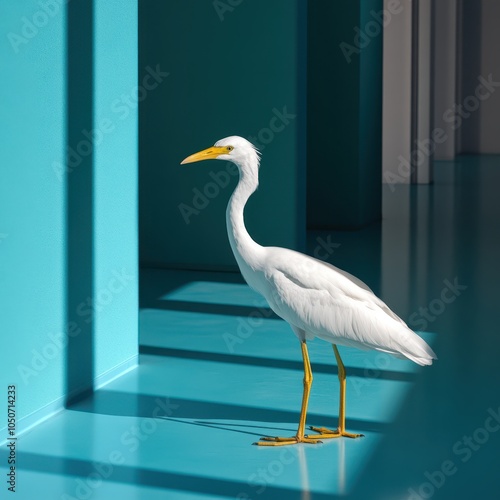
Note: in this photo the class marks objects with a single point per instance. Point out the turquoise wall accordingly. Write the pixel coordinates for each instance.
(55, 97)
(232, 70)
(32, 200)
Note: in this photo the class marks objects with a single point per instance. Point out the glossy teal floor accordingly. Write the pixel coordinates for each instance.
(217, 371)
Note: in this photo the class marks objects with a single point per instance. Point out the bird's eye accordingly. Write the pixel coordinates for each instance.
(230, 148)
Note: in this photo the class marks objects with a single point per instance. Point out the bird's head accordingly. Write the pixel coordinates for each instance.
(234, 148)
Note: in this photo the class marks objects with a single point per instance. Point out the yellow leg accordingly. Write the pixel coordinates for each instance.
(299, 437)
(340, 431)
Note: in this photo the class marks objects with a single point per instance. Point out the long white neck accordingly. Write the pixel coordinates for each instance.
(246, 251)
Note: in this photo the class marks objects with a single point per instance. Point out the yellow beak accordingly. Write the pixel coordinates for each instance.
(207, 154)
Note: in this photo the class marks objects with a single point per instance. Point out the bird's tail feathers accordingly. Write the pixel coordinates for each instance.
(414, 348)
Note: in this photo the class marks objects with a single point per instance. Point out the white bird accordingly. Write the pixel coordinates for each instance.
(315, 298)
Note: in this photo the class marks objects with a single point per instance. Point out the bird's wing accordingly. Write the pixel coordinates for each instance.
(336, 309)
(360, 291)
(349, 276)
(365, 287)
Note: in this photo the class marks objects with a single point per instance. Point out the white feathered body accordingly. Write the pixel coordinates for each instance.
(315, 298)
(330, 304)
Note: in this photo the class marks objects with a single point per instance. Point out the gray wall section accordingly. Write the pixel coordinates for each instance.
(397, 95)
(234, 71)
(408, 94)
(490, 64)
(425, 98)
(469, 69)
(477, 123)
(445, 75)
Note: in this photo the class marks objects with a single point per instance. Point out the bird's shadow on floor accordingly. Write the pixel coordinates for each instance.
(116, 403)
(232, 427)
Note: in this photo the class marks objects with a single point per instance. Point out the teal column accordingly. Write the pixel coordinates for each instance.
(217, 69)
(115, 125)
(344, 121)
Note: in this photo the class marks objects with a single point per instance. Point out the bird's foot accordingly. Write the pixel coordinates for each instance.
(325, 433)
(284, 441)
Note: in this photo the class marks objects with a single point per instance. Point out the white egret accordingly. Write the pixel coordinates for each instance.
(315, 298)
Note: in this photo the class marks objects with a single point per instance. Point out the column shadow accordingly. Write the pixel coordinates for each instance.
(79, 201)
